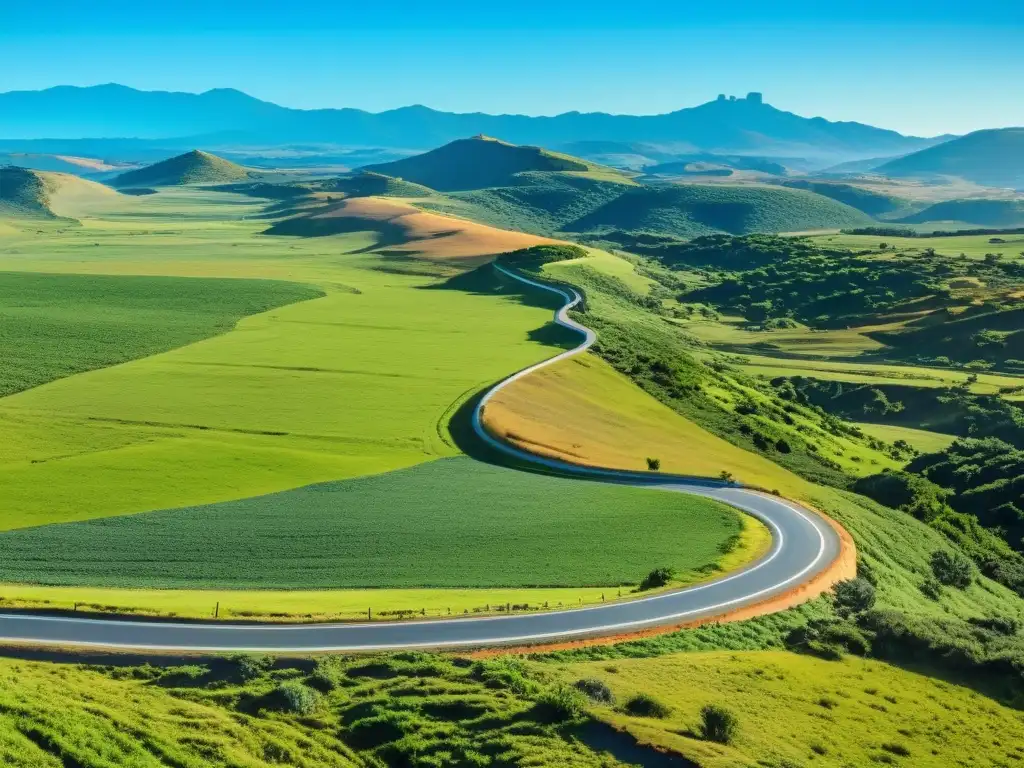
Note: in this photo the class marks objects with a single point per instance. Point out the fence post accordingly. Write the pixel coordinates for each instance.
(369, 615)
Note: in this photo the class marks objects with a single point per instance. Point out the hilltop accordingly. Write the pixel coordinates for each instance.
(551, 204)
(993, 158)
(27, 193)
(984, 213)
(477, 163)
(193, 167)
(727, 124)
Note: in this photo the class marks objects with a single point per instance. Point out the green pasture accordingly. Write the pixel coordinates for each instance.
(440, 524)
(799, 710)
(921, 439)
(362, 380)
(53, 326)
(973, 246)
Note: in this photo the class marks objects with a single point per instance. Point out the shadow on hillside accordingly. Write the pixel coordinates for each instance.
(625, 747)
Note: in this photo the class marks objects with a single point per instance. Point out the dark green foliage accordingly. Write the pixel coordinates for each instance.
(645, 705)
(931, 588)
(952, 569)
(560, 704)
(905, 491)
(853, 596)
(653, 464)
(718, 724)
(52, 326)
(686, 210)
(871, 203)
(596, 690)
(327, 674)
(659, 577)
(292, 696)
(443, 523)
(249, 667)
(539, 255)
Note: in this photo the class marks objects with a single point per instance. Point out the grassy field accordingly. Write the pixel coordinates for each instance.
(921, 439)
(798, 710)
(53, 326)
(974, 246)
(583, 410)
(441, 524)
(356, 382)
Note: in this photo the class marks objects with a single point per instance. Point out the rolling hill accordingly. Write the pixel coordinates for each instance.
(27, 193)
(871, 203)
(980, 212)
(743, 125)
(477, 163)
(692, 210)
(193, 167)
(993, 158)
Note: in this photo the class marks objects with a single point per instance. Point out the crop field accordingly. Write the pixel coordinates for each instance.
(440, 524)
(53, 326)
(799, 710)
(356, 382)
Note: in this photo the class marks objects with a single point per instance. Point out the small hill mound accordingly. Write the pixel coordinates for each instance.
(984, 213)
(27, 193)
(372, 184)
(193, 167)
(478, 163)
(992, 336)
(993, 158)
(871, 203)
(693, 210)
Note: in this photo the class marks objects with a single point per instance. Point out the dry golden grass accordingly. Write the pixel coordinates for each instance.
(432, 235)
(582, 410)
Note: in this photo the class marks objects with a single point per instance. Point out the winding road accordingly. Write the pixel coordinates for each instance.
(803, 545)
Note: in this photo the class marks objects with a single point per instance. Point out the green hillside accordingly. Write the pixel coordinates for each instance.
(871, 203)
(477, 163)
(373, 184)
(195, 167)
(993, 158)
(26, 193)
(985, 213)
(992, 336)
(23, 193)
(692, 210)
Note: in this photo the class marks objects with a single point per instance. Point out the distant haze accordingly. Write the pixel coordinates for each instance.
(744, 124)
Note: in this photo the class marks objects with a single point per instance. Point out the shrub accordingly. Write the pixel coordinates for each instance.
(952, 569)
(853, 596)
(659, 577)
(725, 476)
(560, 704)
(931, 588)
(718, 724)
(251, 667)
(645, 705)
(293, 696)
(327, 674)
(653, 464)
(595, 690)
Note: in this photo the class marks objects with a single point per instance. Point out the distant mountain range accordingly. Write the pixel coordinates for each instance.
(993, 158)
(225, 116)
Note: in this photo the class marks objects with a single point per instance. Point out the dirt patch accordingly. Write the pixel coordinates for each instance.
(432, 235)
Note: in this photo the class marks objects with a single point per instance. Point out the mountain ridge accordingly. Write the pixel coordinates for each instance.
(725, 124)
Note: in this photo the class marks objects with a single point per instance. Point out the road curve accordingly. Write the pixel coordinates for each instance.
(803, 545)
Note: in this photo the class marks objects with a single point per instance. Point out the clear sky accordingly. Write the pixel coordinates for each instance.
(941, 66)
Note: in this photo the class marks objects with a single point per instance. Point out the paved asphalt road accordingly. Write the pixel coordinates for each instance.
(803, 545)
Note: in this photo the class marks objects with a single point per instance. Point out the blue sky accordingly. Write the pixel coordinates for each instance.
(917, 67)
